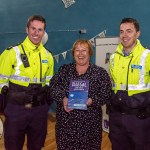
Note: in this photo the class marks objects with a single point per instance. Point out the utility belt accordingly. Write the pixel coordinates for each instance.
(32, 96)
(141, 113)
(138, 104)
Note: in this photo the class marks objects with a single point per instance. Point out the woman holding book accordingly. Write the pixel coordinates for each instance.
(79, 122)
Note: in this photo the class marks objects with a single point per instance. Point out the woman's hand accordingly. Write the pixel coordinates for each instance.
(65, 104)
(89, 102)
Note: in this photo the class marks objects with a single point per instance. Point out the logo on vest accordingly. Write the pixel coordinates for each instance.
(44, 61)
(136, 67)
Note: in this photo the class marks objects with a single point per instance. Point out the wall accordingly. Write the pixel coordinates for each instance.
(63, 24)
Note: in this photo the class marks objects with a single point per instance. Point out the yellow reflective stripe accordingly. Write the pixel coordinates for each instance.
(3, 84)
(112, 60)
(4, 77)
(36, 80)
(18, 59)
(43, 80)
(48, 77)
(139, 87)
(26, 79)
(133, 87)
(122, 86)
(142, 63)
(20, 78)
(47, 83)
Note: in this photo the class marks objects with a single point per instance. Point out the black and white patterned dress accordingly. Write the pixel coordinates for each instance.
(80, 129)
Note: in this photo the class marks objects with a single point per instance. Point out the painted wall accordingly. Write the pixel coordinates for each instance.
(63, 24)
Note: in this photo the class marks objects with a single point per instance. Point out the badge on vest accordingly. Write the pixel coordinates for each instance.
(44, 61)
(136, 67)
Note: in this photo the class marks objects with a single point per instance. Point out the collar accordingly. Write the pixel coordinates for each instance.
(125, 53)
(138, 47)
(29, 46)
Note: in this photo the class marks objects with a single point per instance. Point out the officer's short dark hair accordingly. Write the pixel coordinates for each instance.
(36, 17)
(131, 20)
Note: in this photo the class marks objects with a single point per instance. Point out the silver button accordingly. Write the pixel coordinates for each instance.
(120, 99)
(28, 105)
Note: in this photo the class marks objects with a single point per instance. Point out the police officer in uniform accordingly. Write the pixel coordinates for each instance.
(25, 73)
(129, 106)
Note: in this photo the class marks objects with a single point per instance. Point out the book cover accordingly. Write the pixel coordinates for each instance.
(78, 94)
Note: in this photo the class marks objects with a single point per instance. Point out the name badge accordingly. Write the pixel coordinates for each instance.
(44, 61)
(136, 67)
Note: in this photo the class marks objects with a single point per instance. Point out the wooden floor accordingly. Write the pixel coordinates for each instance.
(50, 143)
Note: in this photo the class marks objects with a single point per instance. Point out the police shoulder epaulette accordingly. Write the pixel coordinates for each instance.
(49, 50)
(10, 47)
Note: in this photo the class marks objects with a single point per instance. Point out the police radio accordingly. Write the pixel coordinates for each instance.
(24, 58)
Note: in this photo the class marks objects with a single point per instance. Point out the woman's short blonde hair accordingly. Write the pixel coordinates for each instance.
(83, 42)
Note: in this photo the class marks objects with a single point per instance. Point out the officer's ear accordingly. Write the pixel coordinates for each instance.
(27, 30)
(138, 34)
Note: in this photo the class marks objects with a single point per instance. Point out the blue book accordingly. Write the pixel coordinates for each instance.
(78, 94)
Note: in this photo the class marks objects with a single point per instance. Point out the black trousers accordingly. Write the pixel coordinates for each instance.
(128, 132)
(21, 121)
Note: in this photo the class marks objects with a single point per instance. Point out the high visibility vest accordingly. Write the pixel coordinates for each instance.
(40, 69)
(131, 73)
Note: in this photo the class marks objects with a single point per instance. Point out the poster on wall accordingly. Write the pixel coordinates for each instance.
(104, 48)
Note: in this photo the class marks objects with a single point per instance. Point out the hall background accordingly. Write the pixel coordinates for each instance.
(64, 24)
